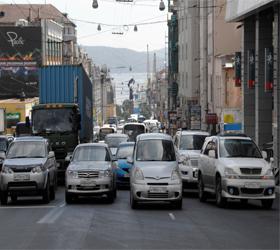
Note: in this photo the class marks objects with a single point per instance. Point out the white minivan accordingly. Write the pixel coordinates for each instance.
(154, 175)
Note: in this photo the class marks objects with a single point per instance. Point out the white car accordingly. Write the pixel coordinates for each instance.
(91, 172)
(189, 144)
(232, 167)
(154, 175)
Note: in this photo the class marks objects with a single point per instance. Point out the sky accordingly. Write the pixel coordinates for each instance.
(114, 17)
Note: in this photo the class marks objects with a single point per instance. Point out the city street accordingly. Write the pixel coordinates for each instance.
(95, 224)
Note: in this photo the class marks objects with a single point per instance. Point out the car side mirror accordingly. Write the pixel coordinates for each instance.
(264, 154)
(68, 158)
(51, 154)
(271, 159)
(212, 153)
(129, 160)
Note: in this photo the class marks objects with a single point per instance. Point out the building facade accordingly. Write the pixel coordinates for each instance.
(260, 69)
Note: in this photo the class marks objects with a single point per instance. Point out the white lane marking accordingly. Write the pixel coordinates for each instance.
(62, 205)
(51, 216)
(26, 207)
(172, 216)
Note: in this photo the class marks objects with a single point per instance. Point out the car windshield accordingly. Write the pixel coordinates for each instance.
(239, 148)
(192, 142)
(132, 130)
(113, 142)
(3, 144)
(53, 120)
(125, 151)
(27, 149)
(90, 153)
(155, 150)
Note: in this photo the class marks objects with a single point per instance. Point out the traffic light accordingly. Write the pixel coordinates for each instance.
(268, 84)
(251, 68)
(237, 69)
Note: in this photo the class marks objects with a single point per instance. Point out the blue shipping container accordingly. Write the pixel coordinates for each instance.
(68, 84)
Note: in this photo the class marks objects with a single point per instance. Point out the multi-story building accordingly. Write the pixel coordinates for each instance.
(260, 68)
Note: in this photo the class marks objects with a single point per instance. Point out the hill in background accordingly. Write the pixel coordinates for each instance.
(120, 60)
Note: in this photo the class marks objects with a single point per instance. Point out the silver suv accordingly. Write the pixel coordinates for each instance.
(154, 175)
(232, 167)
(29, 169)
(189, 144)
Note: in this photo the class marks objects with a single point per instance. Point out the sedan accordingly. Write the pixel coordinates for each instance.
(91, 172)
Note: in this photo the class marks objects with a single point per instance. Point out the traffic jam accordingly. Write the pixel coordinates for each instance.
(153, 167)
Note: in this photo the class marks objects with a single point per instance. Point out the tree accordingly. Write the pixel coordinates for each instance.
(127, 108)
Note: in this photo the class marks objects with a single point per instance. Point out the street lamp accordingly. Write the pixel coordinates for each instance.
(161, 5)
(95, 4)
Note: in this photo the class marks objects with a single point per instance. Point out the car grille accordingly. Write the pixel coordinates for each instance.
(88, 174)
(157, 195)
(22, 169)
(250, 177)
(194, 162)
(22, 184)
(251, 170)
(88, 188)
(158, 184)
(252, 190)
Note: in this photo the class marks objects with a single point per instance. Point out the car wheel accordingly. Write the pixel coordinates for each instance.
(244, 202)
(46, 193)
(111, 197)
(133, 202)
(202, 195)
(4, 197)
(68, 198)
(14, 198)
(267, 204)
(178, 204)
(220, 200)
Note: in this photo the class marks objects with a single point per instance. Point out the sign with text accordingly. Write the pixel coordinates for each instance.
(20, 57)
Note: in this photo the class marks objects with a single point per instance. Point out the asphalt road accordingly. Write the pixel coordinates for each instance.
(94, 224)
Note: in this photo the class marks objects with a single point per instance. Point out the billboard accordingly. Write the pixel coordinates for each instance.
(20, 57)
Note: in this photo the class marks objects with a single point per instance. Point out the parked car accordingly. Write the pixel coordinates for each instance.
(124, 151)
(113, 141)
(189, 144)
(29, 169)
(155, 174)
(91, 172)
(4, 144)
(233, 167)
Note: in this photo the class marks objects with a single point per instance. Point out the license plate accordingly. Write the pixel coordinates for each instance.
(88, 183)
(252, 185)
(21, 177)
(157, 189)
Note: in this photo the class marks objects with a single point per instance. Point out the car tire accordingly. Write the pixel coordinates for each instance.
(178, 204)
(202, 195)
(267, 204)
(46, 193)
(14, 198)
(244, 202)
(133, 202)
(220, 200)
(68, 198)
(4, 197)
(111, 197)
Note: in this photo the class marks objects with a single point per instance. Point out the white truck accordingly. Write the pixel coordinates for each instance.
(2, 121)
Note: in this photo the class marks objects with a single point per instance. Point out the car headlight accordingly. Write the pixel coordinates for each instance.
(37, 169)
(175, 176)
(231, 174)
(138, 175)
(105, 173)
(72, 174)
(7, 170)
(268, 175)
(184, 160)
